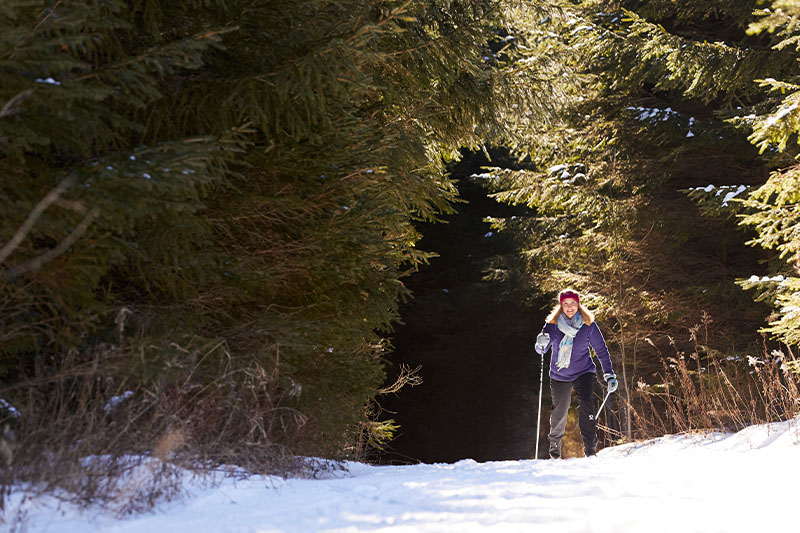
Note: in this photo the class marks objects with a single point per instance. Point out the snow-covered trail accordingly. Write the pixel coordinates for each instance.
(742, 482)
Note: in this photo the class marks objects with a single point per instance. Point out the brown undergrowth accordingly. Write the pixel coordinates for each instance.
(708, 390)
(124, 427)
(88, 432)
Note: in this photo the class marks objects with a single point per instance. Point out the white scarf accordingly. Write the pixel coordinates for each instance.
(569, 328)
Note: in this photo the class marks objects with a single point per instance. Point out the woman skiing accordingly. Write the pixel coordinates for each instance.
(571, 330)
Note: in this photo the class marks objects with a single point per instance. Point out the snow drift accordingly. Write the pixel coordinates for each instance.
(714, 482)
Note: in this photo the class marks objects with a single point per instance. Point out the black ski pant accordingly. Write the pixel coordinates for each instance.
(561, 393)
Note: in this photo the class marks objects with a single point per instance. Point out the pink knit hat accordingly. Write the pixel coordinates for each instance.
(568, 293)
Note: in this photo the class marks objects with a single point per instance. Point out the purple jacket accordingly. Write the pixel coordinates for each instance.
(581, 361)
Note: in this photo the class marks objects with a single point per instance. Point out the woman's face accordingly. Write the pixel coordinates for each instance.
(569, 306)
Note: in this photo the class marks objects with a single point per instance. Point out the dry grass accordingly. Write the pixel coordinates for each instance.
(90, 435)
(711, 391)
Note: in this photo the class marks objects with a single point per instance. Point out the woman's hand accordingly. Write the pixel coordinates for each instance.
(611, 381)
(542, 342)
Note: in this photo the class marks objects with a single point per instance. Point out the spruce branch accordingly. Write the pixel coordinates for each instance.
(46, 15)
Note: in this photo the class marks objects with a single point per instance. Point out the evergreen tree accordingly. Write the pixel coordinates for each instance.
(211, 204)
(772, 207)
(658, 105)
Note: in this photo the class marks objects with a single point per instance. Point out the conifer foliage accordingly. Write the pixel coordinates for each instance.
(772, 208)
(667, 101)
(207, 208)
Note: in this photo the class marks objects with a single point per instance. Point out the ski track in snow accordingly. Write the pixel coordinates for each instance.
(713, 483)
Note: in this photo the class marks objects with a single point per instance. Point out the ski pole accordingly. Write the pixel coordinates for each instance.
(539, 417)
(602, 404)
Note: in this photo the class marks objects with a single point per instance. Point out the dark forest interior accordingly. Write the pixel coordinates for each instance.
(473, 340)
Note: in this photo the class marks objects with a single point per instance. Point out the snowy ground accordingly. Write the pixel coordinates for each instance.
(720, 483)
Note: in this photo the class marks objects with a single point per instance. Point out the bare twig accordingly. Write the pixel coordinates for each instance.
(8, 108)
(37, 262)
(407, 377)
(34, 215)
